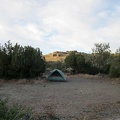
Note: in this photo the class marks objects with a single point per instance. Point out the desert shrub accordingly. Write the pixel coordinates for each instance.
(115, 70)
(76, 61)
(100, 57)
(90, 69)
(56, 65)
(20, 62)
(17, 112)
(70, 60)
(80, 63)
(14, 112)
(115, 65)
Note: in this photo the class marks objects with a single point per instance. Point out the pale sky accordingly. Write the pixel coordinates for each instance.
(60, 25)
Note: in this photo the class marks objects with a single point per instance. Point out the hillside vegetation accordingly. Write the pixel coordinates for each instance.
(18, 62)
(100, 61)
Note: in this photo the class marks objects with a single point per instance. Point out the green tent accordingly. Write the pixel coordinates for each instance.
(56, 75)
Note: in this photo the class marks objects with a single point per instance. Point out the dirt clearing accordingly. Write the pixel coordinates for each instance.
(78, 99)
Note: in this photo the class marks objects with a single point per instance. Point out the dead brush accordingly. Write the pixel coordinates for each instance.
(50, 113)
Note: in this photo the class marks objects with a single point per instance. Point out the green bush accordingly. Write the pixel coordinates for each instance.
(14, 112)
(20, 62)
(114, 71)
(17, 112)
(55, 65)
(115, 64)
(90, 69)
(100, 57)
(76, 61)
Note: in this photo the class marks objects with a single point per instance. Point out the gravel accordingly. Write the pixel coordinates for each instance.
(79, 98)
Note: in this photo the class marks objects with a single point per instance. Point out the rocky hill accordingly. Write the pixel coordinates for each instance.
(57, 56)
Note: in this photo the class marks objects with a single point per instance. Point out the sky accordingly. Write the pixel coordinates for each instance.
(60, 25)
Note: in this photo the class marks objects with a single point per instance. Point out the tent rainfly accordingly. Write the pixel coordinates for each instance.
(56, 75)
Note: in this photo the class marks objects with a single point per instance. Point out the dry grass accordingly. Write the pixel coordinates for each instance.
(86, 76)
(24, 81)
(49, 57)
(97, 77)
(43, 80)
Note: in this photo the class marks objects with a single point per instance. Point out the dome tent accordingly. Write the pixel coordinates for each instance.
(56, 75)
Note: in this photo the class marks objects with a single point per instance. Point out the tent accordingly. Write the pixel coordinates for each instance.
(56, 75)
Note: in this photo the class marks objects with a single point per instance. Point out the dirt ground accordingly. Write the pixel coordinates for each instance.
(78, 99)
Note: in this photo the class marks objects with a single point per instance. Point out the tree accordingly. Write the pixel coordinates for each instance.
(28, 62)
(76, 61)
(100, 57)
(20, 62)
(70, 61)
(5, 59)
(80, 62)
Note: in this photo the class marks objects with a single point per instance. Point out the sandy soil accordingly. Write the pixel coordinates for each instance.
(78, 99)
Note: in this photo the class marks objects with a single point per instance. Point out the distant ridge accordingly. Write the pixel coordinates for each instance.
(58, 55)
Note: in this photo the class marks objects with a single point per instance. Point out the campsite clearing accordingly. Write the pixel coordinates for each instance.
(80, 98)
